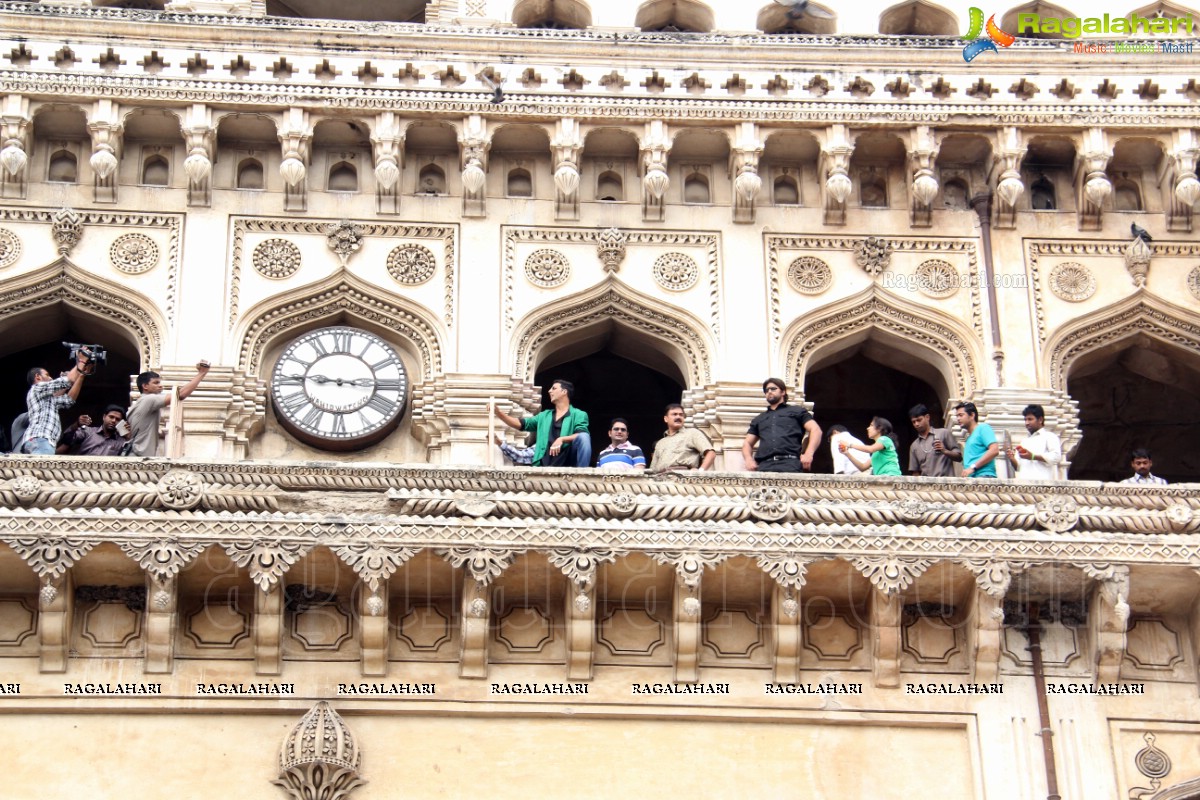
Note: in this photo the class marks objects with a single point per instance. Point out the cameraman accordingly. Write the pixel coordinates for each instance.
(45, 398)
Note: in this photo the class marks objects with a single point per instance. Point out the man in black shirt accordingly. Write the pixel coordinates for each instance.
(779, 432)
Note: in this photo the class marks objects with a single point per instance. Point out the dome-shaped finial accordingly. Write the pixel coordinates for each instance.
(321, 735)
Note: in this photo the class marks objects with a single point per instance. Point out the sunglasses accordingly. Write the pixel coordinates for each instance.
(619, 430)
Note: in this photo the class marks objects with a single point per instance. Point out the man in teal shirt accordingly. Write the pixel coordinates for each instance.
(562, 430)
(981, 448)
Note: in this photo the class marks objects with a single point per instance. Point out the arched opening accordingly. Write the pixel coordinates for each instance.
(954, 195)
(552, 14)
(1009, 21)
(432, 180)
(156, 171)
(879, 160)
(814, 19)
(250, 174)
(63, 168)
(609, 188)
(695, 189)
(1138, 391)
(872, 189)
(786, 193)
(617, 373)
(1126, 196)
(34, 339)
(873, 373)
(1041, 195)
(343, 177)
(672, 16)
(918, 18)
(520, 183)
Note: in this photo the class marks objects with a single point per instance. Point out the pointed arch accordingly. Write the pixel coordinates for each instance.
(671, 332)
(1140, 315)
(935, 341)
(129, 314)
(1188, 790)
(342, 292)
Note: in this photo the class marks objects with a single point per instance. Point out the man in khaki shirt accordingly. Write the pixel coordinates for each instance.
(680, 448)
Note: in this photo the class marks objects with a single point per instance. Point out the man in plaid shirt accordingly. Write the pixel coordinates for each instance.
(46, 397)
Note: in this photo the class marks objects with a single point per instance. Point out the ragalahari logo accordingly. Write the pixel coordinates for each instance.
(995, 36)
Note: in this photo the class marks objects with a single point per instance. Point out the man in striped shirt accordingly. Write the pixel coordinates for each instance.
(621, 455)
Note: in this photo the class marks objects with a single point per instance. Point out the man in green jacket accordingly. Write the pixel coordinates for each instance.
(562, 430)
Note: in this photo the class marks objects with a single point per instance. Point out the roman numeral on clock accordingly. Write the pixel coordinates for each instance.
(293, 402)
(312, 418)
(377, 403)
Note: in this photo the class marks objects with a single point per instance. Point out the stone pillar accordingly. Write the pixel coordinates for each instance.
(567, 148)
(1010, 152)
(201, 138)
(295, 139)
(474, 142)
(834, 171)
(387, 144)
(923, 187)
(743, 169)
(1091, 179)
(15, 123)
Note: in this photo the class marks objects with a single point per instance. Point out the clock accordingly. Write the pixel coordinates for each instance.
(339, 388)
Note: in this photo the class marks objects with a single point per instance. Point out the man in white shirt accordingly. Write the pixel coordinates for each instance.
(1038, 456)
(841, 464)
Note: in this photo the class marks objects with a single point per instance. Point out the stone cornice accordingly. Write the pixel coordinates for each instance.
(424, 506)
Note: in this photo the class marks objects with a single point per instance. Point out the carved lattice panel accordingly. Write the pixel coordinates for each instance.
(107, 629)
(527, 634)
(218, 628)
(933, 644)
(834, 639)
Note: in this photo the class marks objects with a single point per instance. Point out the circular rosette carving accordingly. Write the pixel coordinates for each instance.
(1180, 515)
(1193, 281)
(622, 505)
(1057, 514)
(25, 487)
(790, 607)
(411, 264)
(133, 253)
(474, 504)
(1072, 282)
(276, 258)
(691, 606)
(161, 600)
(47, 594)
(10, 248)
(582, 603)
(912, 510)
(768, 503)
(809, 275)
(547, 268)
(676, 272)
(477, 608)
(180, 490)
(937, 278)
(375, 605)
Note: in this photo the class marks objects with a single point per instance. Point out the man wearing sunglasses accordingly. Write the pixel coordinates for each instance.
(621, 454)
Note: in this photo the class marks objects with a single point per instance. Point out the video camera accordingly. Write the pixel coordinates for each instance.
(94, 353)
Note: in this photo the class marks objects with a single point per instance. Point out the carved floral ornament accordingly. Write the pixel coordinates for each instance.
(67, 229)
(320, 757)
(180, 490)
(809, 275)
(547, 268)
(937, 278)
(610, 248)
(10, 248)
(873, 254)
(676, 272)
(344, 239)
(1057, 514)
(133, 253)
(1193, 282)
(411, 264)
(276, 258)
(1072, 281)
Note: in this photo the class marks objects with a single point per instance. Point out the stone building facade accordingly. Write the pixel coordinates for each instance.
(660, 201)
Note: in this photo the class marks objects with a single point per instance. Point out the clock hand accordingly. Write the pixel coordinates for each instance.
(291, 378)
(319, 379)
(363, 382)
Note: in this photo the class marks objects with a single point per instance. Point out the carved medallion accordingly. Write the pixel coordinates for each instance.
(770, 503)
(133, 253)
(276, 258)
(344, 239)
(1072, 282)
(25, 487)
(676, 272)
(180, 490)
(411, 264)
(1057, 514)
(809, 275)
(1193, 282)
(547, 268)
(10, 248)
(937, 278)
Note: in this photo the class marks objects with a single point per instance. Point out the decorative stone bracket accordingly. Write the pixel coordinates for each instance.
(835, 174)
(15, 122)
(1091, 178)
(655, 147)
(387, 142)
(295, 139)
(567, 148)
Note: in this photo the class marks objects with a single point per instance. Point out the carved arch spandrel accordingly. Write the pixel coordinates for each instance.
(65, 282)
(323, 302)
(612, 302)
(1141, 314)
(941, 341)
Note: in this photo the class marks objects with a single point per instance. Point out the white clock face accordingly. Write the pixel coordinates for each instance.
(339, 388)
